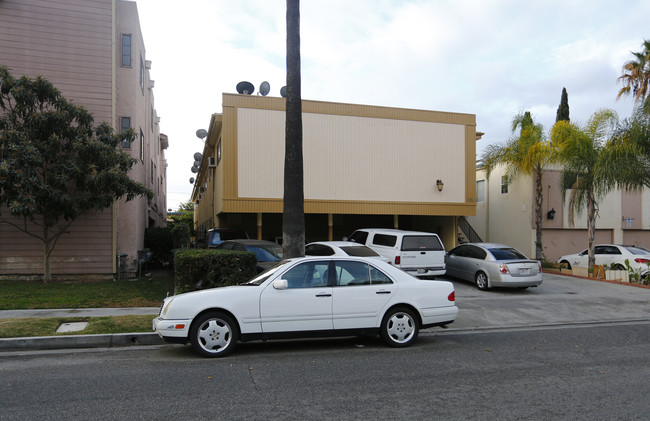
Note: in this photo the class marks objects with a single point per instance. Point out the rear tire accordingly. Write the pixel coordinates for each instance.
(214, 334)
(481, 281)
(565, 264)
(399, 328)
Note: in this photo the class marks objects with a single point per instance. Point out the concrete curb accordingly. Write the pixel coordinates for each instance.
(79, 341)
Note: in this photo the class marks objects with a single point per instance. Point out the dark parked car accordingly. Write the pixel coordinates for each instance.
(267, 252)
(218, 235)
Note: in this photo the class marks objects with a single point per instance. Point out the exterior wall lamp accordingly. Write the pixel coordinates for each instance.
(550, 214)
(440, 184)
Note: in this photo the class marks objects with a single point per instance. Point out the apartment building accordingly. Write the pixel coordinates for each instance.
(505, 213)
(93, 51)
(364, 166)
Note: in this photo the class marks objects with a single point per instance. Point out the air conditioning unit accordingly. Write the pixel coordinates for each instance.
(212, 162)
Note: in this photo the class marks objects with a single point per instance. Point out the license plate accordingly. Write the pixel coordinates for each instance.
(420, 270)
(524, 271)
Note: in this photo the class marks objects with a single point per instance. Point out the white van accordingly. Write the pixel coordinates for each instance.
(418, 253)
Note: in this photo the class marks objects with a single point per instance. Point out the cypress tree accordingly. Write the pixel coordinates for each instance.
(563, 109)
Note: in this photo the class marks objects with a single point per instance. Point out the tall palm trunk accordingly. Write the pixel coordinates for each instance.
(592, 212)
(293, 216)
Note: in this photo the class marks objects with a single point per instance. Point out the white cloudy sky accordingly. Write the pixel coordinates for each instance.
(491, 58)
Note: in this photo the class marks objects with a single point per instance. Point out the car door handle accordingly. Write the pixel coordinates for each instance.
(382, 292)
(324, 294)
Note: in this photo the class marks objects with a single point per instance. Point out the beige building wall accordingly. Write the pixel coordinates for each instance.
(364, 166)
(76, 45)
(509, 218)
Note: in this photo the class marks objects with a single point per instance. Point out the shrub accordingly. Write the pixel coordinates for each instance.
(201, 269)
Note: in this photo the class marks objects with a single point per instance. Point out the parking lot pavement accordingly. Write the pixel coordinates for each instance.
(559, 300)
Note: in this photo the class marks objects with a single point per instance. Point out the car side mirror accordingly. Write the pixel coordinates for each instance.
(280, 284)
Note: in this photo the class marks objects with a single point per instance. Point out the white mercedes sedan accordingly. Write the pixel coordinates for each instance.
(314, 296)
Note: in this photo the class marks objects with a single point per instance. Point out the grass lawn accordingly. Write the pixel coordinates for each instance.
(20, 295)
(20, 328)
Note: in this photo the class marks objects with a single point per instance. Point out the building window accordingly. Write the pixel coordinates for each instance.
(480, 191)
(126, 50)
(504, 184)
(125, 125)
(152, 171)
(141, 146)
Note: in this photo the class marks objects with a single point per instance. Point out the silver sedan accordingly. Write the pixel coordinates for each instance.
(493, 265)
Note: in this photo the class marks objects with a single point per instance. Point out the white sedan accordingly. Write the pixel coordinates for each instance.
(614, 256)
(342, 248)
(309, 297)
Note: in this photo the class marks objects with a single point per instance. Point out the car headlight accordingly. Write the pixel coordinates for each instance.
(165, 309)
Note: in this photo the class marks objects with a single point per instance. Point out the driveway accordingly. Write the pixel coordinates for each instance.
(559, 300)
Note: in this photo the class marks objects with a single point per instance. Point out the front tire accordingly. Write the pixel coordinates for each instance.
(481, 281)
(399, 328)
(214, 335)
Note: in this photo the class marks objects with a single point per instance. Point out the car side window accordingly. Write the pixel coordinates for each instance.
(477, 253)
(351, 273)
(378, 277)
(384, 240)
(460, 251)
(613, 250)
(359, 237)
(307, 275)
(600, 250)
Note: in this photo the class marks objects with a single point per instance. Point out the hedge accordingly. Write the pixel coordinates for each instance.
(202, 269)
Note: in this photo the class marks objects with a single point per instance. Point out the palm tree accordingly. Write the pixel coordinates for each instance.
(588, 174)
(529, 152)
(293, 216)
(636, 77)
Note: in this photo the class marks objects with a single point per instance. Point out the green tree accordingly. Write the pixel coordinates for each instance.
(636, 77)
(293, 216)
(54, 166)
(529, 152)
(588, 170)
(563, 109)
(184, 215)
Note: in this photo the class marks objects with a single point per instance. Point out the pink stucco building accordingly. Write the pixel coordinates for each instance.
(94, 53)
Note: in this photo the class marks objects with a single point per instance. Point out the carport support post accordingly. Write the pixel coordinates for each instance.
(330, 227)
(396, 221)
(259, 226)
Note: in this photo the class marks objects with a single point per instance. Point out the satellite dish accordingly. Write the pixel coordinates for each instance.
(265, 88)
(191, 180)
(197, 164)
(195, 169)
(283, 92)
(245, 88)
(201, 133)
(198, 156)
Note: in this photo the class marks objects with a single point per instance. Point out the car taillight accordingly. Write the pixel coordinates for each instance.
(503, 269)
(452, 296)
(398, 259)
(642, 260)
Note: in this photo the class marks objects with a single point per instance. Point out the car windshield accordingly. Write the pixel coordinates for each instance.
(507, 254)
(359, 251)
(266, 254)
(263, 276)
